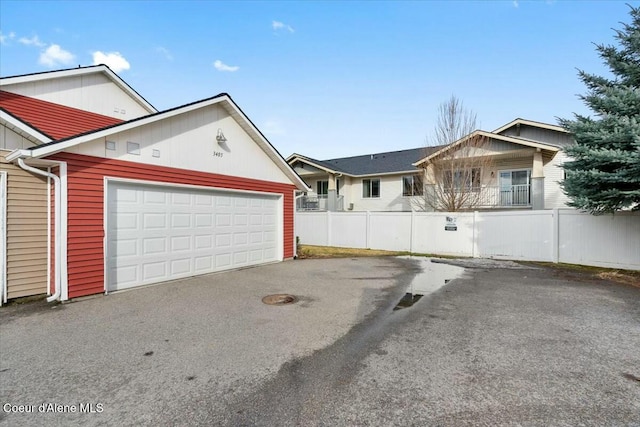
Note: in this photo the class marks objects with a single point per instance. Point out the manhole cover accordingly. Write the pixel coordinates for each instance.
(279, 299)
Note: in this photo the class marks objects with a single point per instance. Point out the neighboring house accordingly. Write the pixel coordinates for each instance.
(375, 182)
(100, 192)
(524, 173)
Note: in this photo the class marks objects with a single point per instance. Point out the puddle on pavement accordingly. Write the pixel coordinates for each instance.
(432, 277)
(407, 301)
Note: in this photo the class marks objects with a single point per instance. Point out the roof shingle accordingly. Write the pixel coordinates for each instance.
(379, 163)
(54, 120)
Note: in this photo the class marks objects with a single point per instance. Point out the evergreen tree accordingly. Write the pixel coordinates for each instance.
(604, 174)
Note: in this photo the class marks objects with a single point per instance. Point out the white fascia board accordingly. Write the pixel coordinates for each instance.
(23, 127)
(315, 165)
(491, 135)
(64, 145)
(81, 71)
(19, 154)
(522, 141)
(374, 175)
(259, 138)
(531, 123)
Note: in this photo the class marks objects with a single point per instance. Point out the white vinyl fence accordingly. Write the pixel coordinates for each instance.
(558, 235)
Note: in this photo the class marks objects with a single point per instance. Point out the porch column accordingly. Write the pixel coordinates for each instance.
(430, 188)
(332, 196)
(537, 182)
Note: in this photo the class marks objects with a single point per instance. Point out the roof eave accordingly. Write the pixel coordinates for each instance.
(492, 135)
(56, 147)
(311, 163)
(29, 132)
(520, 121)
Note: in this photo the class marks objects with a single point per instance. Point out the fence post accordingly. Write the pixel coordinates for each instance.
(368, 232)
(328, 228)
(474, 243)
(556, 236)
(411, 228)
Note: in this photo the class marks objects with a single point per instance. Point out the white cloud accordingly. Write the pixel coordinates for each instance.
(33, 41)
(54, 55)
(220, 66)
(165, 52)
(113, 60)
(277, 25)
(5, 38)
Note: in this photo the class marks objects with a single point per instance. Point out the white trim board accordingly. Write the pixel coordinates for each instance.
(3, 237)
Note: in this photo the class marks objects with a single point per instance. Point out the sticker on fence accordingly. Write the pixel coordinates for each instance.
(451, 224)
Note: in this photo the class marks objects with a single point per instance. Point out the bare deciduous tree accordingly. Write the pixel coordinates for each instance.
(455, 160)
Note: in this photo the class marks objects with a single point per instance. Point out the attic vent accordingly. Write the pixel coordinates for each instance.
(133, 148)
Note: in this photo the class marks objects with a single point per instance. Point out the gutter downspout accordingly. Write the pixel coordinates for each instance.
(58, 228)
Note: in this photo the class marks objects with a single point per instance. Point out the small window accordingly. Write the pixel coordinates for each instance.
(412, 186)
(370, 188)
(322, 188)
(463, 179)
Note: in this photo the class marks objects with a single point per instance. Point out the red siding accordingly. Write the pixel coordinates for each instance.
(85, 177)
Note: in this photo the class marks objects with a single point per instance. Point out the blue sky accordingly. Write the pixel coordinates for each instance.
(329, 79)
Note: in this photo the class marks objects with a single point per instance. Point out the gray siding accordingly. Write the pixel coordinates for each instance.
(539, 134)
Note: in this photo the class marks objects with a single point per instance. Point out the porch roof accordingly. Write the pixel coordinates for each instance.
(480, 133)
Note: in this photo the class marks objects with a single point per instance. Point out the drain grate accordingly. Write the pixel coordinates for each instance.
(279, 299)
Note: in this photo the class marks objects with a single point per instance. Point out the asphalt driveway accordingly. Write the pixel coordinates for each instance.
(495, 346)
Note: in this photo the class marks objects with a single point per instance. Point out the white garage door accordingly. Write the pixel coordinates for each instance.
(158, 233)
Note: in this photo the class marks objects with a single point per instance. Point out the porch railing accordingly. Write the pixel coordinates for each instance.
(505, 196)
(318, 202)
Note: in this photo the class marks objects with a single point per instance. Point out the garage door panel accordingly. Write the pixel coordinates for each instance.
(203, 264)
(204, 241)
(162, 233)
(154, 220)
(124, 247)
(240, 238)
(203, 220)
(181, 244)
(240, 202)
(180, 199)
(223, 240)
(181, 267)
(151, 197)
(154, 245)
(180, 220)
(153, 271)
(126, 276)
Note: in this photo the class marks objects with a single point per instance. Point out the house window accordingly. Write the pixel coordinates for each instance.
(515, 187)
(463, 179)
(370, 188)
(322, 188)
(412, 186)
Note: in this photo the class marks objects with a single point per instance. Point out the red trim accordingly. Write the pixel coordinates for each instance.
(85, 222)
